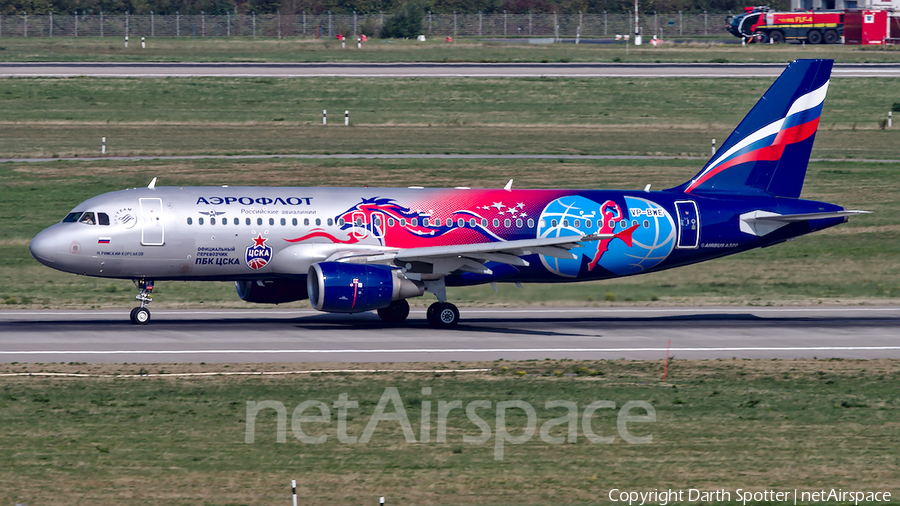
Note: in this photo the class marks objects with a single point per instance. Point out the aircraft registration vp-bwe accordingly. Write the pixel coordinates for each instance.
(350, 250)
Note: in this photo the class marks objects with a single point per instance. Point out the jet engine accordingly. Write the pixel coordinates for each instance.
(353, 288)
(272, 291)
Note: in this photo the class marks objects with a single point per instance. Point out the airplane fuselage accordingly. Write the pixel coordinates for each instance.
(253, 233)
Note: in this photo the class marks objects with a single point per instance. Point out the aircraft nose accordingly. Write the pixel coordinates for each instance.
(43, 247)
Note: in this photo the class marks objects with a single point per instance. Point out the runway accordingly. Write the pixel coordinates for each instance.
(301, 335)
(409, 70)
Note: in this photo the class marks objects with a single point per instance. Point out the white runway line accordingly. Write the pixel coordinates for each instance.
(454, 350)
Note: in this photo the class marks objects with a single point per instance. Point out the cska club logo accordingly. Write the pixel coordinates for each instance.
(258, 255)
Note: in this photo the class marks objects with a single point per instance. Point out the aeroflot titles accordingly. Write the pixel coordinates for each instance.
(247, 201)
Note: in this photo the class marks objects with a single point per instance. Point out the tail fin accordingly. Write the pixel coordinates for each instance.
(768, 152)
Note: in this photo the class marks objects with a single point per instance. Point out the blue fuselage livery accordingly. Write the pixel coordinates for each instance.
(362, 249)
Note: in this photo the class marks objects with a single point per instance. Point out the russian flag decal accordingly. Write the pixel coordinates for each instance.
(103, 240)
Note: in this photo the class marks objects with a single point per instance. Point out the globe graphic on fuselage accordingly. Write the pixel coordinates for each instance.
(651, 230)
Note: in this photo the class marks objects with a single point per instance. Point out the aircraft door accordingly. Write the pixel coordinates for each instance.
(152, 233)
(359, 225)
(378, 225)
(688, 224)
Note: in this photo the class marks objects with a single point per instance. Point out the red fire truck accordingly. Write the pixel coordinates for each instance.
(761, 25)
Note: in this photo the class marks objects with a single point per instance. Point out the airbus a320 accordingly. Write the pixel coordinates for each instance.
(351, 250)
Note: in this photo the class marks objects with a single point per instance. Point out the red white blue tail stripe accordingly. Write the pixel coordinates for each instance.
(768, 143)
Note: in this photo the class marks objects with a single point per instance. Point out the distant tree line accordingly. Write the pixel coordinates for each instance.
(12, 7)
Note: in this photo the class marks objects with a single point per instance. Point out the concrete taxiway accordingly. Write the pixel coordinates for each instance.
(300, 335)
(406, 70)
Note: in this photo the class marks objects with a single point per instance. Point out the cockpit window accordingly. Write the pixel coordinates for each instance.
(102, 219)
(88, 218)
(71, 218)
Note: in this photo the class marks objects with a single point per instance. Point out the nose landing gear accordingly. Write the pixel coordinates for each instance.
(141, 315)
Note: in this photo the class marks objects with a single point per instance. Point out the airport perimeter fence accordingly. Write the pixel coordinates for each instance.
(329, 25)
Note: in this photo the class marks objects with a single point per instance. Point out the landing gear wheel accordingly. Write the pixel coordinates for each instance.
(814, 37)
(140, 316)
(831, 37)
(443, 315)
(777, 37)
(395, 313)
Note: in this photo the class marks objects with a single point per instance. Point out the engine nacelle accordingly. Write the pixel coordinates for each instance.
(353, 288)
(273, 291)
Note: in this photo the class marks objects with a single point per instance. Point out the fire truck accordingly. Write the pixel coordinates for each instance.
(759, 24)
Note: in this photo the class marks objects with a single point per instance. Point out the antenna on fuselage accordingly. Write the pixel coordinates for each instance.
(152, 184)
(508, 185)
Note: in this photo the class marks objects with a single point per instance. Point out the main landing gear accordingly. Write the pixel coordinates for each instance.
(141, 315)
(442, 315)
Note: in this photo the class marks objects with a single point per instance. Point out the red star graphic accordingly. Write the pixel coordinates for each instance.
(260, 240)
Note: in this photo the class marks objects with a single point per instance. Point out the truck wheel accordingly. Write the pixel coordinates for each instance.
(831, 37)
(777, 36)
(814, 37)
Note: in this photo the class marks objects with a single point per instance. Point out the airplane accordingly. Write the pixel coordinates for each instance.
(351, 250)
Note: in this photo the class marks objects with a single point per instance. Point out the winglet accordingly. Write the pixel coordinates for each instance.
(508, 186)
(152, 184)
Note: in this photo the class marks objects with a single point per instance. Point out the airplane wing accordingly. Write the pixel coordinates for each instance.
(445, 260)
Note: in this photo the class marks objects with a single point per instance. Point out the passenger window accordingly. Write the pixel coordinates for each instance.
(402, 222)
(530, 223)
(483, 222)
(305, 221)
(190, 221)
(342, 222)
(247, 221)
(358, 222)
(577, 223)
(102, 219)
(71, 218)
(224, 221)
(414, 222)
(259, 221)
(330, 222)
(294, 222)
(519, 223)
(271, 221)
(544, 223)
(212, 221)
(646, 223)
(88, 218)
(552, 223)
(437, 222)
(460, 222)
(200, 221)
(318, 222)
(237, 221)
(472, 222)
(496, 222)
(390, 222)
(506, 223)
(588, 223)
(425, 222)
(283, 222)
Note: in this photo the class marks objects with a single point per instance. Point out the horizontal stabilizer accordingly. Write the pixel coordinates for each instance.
(760, 223)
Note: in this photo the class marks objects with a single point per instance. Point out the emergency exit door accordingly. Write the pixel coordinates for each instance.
(152, 233)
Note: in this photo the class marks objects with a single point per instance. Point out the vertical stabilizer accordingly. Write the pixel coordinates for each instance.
(768, 152)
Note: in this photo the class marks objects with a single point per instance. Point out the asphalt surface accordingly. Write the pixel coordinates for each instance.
(395, 70)
(287, 335)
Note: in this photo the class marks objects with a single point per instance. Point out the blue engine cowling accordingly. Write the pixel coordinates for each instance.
(271, 291)
(353, 288)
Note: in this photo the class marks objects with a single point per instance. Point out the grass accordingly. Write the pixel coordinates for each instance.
(67, 117)
(859, 256)
(813, 425)
(212, 49)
